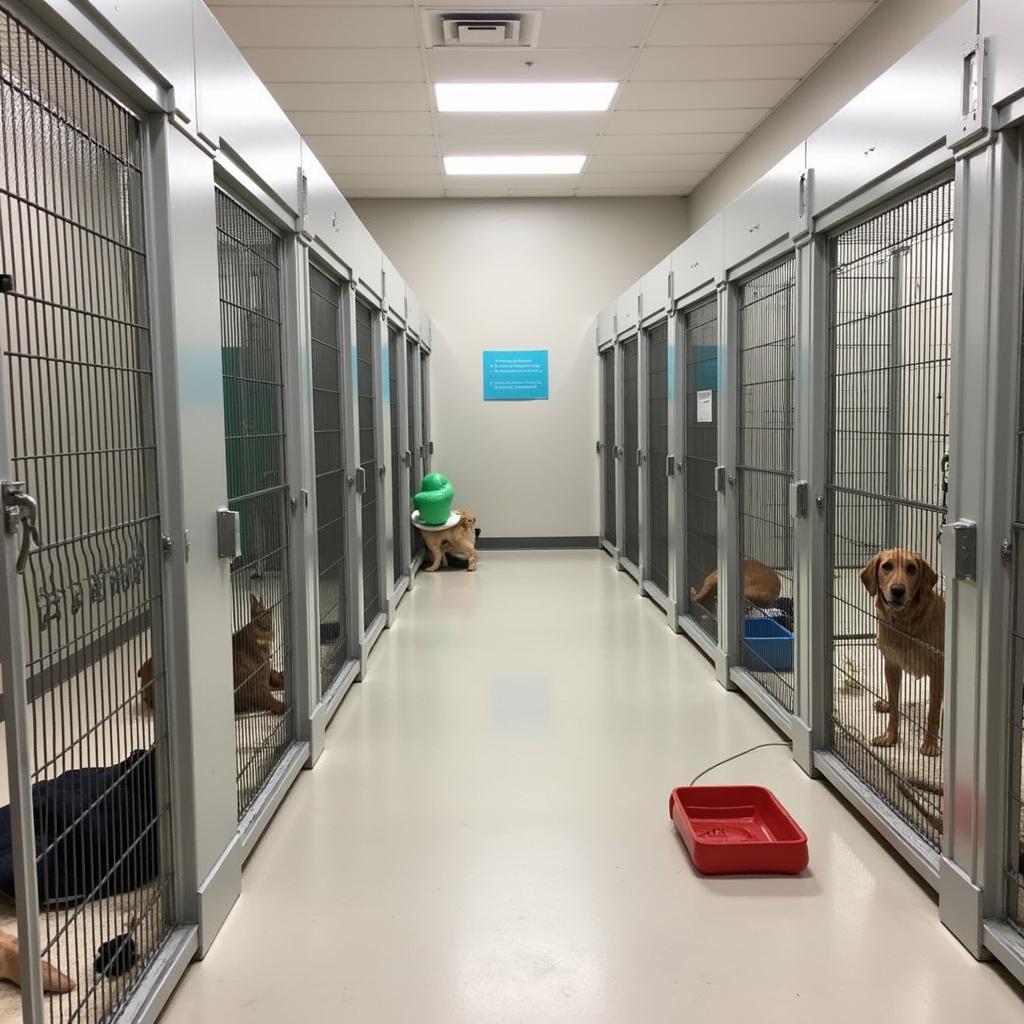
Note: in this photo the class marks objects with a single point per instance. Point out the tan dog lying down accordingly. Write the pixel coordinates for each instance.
(911, 618)
(458, 538)
(761, 585)
(10, 967)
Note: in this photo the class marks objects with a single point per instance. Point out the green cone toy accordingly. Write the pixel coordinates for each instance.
(434, 500)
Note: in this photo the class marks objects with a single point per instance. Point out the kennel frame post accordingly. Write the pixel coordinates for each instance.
(385, 470)
(675, 412)
(401, 538)
(986, 274)
(730, 600)
(618, 451)
(813, 669)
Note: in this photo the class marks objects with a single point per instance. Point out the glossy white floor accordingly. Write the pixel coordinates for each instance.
(486, 840)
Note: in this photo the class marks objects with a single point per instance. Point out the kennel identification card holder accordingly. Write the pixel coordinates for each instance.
(516, 376)
(705, 406)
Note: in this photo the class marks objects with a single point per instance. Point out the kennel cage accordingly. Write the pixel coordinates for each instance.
(87, 606)
(415, 439)
(400, 564)
(766, 329)
(700, 444)
(607, 448)
(656, 459)
(369, 485)
(329, 451)
(890, 301)
(249, 261)
(632, 454)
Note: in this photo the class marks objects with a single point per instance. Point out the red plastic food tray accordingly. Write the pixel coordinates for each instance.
(736, 830)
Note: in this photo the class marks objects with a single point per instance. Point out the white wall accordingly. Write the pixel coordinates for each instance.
(893, 29)
(521, 273)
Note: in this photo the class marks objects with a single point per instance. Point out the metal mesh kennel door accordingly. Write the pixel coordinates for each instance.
(394, 404)
(765, 471)
(657, 456)
(700, 326)
(631, 456)
(889, 332)
(427, 445)
(412, 366)
(248, 256)
(366, 382)
(79, 403)
(608, 443)
(327, 354)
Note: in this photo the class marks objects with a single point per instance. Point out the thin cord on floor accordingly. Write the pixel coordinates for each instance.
(742, 753)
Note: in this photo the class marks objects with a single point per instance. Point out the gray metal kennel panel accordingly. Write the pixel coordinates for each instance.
(249, 261)
(400, 566)
(415, 439)
(87, 758)
(608, 443)
(632, 453)
(369, 482)
(657, 457)
(890, 307)
(327, 353)
(426, 443)
(766, 329)
(700, 338)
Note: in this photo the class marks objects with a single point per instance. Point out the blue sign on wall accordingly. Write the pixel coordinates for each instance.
(515, 376)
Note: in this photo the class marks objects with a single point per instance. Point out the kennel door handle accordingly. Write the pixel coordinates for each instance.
(639, 456)
(360, 480)
(670, 465)
(20, 509)
(407, 458)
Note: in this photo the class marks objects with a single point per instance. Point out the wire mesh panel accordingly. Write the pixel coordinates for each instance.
(608, 443)
(78, 359)
(327, 353)
(700, 327)
(248, 256)
(412, 355)
(657, 454)
(765, 471)
(889, 332)
(631, 445)
(394, 404)
(366, 383)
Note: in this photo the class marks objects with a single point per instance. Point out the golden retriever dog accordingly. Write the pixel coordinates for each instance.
(459, 538)
(911, 618)
(761, 585)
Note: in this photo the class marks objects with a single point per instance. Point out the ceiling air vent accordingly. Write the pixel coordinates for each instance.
(481, 29)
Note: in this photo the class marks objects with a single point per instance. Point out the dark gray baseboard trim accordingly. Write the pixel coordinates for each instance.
(535, 543)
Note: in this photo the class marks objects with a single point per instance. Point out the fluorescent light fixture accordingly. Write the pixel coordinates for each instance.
(514, 164)
(523, 97)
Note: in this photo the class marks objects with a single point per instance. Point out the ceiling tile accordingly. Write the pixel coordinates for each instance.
(645, 179)
(757, 23)
(324, 26)
(718, 143)
(349, 165)
(391, 182)
(486, 145)
(609, 163)
(371, 145)
(665, 63)
(372, 96)
(585, 27)
(299, 64)
(342, 122)
(520, 124)
(652, 121)
(403, 193)
(663, 190)
(600, 65)
(702, 95)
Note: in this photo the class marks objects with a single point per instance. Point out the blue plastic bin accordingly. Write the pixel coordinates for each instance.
(767, 644)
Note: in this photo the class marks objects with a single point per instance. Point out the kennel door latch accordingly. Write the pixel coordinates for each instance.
(229, 534)
(20, 511)
(799, 499)
(720, 479)
(962, 538)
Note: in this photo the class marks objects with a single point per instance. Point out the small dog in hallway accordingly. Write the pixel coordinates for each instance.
(761, 585)
(911, 618)
(459, 539)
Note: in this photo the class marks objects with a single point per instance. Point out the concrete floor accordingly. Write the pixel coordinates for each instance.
(486, 840)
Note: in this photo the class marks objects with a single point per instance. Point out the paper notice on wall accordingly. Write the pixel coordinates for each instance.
(705, 406)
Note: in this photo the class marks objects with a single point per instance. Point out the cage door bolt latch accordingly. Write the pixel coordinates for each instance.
(960, 543)
(20, 512)
(799, 499)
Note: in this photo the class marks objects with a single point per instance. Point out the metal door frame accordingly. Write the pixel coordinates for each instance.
(414, 440)
(635, 572)
(607, 458)
(397, 475)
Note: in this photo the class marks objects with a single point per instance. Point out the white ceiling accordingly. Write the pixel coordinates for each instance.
(356, 79)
